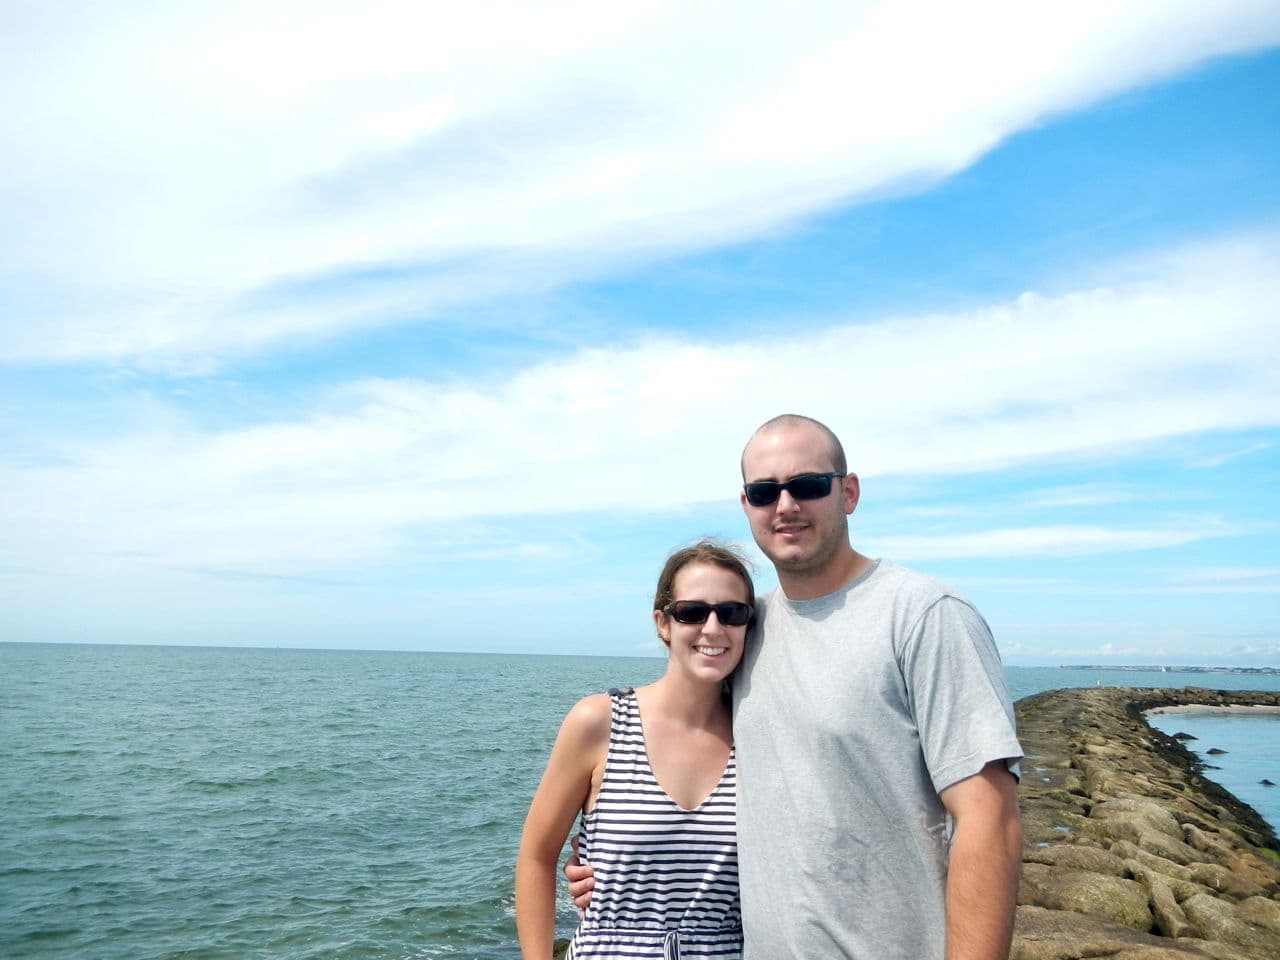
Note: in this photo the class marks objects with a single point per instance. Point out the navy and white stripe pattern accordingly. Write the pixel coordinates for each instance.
(666, 878)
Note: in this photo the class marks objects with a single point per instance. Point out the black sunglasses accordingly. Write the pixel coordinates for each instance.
(807, 486)
(731, 613)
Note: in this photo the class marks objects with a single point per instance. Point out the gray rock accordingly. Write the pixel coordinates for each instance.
(1082, 891)
(1077, 856)
(1222, 880)
(1262, 911)
(1218, 920)
(1043, 934)
(1169, 917)
(1143, 814)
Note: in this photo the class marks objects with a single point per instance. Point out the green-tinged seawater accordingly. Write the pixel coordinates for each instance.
(232, 803)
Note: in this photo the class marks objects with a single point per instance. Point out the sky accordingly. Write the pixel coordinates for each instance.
(427, 326)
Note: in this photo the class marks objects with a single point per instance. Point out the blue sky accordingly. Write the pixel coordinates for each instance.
(399, 326)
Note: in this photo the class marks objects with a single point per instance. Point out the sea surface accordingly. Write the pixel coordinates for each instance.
(209, 803)
(1250, 746)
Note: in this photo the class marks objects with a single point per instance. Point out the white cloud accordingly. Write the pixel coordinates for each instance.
(1256, 650)
(1017, 583)
(1076, 541)
(1258, 587)
(1223, 574)
(1056, 541)
(1185, 346)
(186, 174)
(1224, 580)
(1085, 495)
(1222, 458)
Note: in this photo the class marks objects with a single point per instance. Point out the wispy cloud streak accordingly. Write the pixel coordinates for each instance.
(184, 193)
(1055, 541)
(1184, 345)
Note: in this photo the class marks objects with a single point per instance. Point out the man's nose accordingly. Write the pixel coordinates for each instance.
(786, 502)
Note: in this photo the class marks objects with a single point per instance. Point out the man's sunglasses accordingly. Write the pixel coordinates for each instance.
(807, 486)
(731, 613)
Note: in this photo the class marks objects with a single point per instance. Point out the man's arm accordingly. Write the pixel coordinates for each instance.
(582, 880)
(986, 862)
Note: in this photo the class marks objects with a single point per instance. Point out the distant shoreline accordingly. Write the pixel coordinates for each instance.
(1164, 668)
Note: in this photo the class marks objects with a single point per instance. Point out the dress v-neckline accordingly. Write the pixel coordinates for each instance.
(653, 774)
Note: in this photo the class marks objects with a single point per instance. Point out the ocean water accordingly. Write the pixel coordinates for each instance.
(1251, 745)
(179, 802)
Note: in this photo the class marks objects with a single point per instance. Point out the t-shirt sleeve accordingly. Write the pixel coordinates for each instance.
(957, 693)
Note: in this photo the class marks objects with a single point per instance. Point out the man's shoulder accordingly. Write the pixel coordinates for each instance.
(773, 599)
(913, 595)
(910, 584)
(884, 579)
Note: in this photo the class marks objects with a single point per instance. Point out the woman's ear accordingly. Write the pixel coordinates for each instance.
(664, 629)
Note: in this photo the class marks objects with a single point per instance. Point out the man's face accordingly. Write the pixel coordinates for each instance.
(800, 537)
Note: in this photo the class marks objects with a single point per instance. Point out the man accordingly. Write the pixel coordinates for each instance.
(876, 752)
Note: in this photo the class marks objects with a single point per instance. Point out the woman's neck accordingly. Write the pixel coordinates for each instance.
(690, 702)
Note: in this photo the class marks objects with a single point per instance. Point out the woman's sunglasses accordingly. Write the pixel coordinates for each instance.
(731, 613)
(807, 486)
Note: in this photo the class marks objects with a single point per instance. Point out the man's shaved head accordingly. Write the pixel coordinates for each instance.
(788, 420)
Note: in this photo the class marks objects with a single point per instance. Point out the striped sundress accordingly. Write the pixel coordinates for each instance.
(666, 878)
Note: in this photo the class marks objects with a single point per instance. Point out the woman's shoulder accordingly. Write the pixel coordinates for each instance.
(589, 719)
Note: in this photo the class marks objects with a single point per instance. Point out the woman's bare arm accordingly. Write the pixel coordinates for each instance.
(579, 752)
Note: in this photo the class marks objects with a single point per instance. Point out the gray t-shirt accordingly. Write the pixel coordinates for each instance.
(851, 713)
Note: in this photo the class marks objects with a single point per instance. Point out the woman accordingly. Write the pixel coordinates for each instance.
(652, 771)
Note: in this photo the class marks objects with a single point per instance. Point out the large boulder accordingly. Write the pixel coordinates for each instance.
(1044, 934)
(1076, 856)
(1218, 920)
(1082, 891)
(1147, 813)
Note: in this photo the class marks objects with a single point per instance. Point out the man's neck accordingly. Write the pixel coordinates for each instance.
(842, 570)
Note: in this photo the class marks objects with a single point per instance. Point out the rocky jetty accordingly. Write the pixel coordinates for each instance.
(1130, 852)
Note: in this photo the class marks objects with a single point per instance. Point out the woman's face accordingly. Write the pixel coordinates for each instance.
(708, 650)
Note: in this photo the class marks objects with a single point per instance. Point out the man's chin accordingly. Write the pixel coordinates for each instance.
(795, 561)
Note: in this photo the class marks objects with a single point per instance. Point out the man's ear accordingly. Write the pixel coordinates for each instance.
(852, 491)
